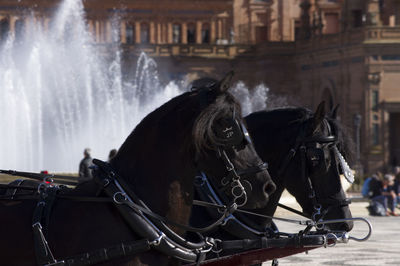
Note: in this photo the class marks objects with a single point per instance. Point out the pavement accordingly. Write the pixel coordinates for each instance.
(383, 247)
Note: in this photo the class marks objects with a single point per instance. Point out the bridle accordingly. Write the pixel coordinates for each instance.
(233, 181)
(234, 137)
(302, 146)
(237, 138)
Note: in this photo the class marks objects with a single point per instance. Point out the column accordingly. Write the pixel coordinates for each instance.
(184, 33)
(198, 32)
(101, 31)
(123, 32)
(137, 31)
(108, 32)
(159, 33)
(213, 33)
(169, 32)
(44, 24)
(91, 28)
(152, 32)
(29, 24)
(97, 34)
(12, 25)
(219, 35)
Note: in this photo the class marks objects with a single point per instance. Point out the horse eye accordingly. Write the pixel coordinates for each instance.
(314, 161)
(314, 158)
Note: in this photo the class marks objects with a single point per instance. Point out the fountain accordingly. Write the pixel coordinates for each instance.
(59, 96)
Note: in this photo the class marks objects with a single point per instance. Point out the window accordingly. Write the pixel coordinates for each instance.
(116, 33)
(205, 33)
(176, 33)
(357, 18)
(130, 33)
(144, 33)
(297, 30)
(4, 29)
(19, 30)
(191, 33)
(375, 134)
(375, 101)
(332, 23)
(261, 34)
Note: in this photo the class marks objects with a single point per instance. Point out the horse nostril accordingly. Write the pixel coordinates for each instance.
(269, 188)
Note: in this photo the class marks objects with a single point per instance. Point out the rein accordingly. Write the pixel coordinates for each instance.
(47, 178)
(232, 223)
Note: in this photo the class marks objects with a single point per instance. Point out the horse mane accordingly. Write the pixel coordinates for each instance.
(152, 120)
(203, 136)
(346, 143)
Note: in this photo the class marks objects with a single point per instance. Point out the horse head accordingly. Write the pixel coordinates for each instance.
(221, 139)
(323, 195)
(199, 131)
(303, 149)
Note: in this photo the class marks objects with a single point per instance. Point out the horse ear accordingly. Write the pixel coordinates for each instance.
(225, 83)
(333, 113)
(319, 115)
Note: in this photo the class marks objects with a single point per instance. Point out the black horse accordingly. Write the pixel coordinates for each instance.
(301, 149)
(199, 130)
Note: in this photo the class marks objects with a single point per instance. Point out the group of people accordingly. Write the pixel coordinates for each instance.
(384, 190)
(85, 171)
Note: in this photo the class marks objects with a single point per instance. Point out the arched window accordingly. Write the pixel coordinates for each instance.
(191, 33)
(144, 33)
(130, 33)
(4, 29)
(176, 33)
(205, 33)
(19, 30)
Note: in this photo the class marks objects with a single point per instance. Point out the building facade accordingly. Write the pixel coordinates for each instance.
(342, 51)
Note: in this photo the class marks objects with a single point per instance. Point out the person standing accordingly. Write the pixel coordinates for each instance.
(85, 173)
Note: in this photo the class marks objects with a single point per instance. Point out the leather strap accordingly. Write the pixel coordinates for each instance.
(107, 254)
(42, 211)
(263, 242)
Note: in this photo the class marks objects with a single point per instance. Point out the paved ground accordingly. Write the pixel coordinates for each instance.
(383, 248)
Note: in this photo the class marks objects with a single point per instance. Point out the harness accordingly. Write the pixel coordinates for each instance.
(145, 223)
(237, 224)
(151, 227)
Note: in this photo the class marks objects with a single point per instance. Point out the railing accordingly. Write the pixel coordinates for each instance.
(364, 35)
(382, 34)
(195, 50)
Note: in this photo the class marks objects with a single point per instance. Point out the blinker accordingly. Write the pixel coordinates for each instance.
(315, 157)
(232, 133)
